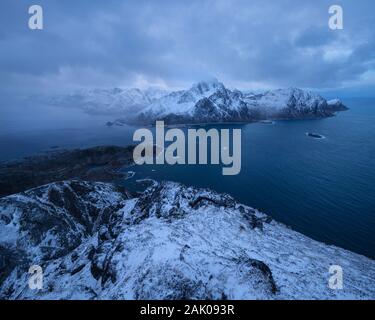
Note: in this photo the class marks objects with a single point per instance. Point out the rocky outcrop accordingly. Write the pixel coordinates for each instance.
(93, 164)
(336, 105)
(94, 241)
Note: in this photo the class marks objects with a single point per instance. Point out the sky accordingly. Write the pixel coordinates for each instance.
(247, 44)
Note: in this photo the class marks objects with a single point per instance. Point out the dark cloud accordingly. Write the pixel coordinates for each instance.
(245, 43)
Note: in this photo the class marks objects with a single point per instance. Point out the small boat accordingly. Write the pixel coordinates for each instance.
(315, 135)
(267, 122)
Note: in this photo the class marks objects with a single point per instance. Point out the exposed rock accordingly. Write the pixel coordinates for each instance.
(93, 164)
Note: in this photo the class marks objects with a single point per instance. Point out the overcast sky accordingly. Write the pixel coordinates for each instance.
(249, 44)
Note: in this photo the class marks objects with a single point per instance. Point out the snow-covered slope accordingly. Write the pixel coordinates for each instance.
(109, 101)
(292, 97)
(94, 241)
(183, 102)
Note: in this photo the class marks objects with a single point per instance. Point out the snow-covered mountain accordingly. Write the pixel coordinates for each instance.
(95, 241)
(205, 101)
(183, 102)
(213, 102)
(109, 101)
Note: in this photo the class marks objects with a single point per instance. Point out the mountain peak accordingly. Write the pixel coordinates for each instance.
(207, 85)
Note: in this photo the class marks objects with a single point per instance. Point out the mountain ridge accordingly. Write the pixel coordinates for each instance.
(169, 242)
(213, 102)
(204, 102)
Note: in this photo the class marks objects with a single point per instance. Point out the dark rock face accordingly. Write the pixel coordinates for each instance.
(179, 201)
(94, 164)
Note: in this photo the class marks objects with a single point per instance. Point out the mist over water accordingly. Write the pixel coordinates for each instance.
(322, 188)
(36, 128)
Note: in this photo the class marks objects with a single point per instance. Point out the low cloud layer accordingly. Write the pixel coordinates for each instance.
(247, 44)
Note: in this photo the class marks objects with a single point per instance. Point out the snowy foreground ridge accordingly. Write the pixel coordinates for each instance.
(94, 241)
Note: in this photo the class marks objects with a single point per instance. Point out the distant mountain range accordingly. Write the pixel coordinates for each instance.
(204, 102)
(109, 101)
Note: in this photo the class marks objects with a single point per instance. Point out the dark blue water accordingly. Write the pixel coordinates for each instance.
(322, 188)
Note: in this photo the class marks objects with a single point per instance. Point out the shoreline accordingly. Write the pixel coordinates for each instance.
(192, 124)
